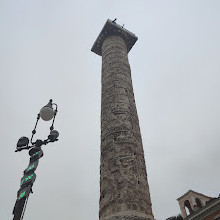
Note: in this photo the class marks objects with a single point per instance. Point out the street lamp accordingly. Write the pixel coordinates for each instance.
(47, 113)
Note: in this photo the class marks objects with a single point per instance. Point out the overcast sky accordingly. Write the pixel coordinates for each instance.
(45, 52)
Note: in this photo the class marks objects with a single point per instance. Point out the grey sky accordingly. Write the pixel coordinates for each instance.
(45, 53)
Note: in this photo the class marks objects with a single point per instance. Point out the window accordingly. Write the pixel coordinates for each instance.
(198, 203)
(188, 206)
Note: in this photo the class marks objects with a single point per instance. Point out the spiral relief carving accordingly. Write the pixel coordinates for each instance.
(124, 190)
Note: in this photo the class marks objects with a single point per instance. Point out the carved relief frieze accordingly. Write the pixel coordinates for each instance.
(123, 178)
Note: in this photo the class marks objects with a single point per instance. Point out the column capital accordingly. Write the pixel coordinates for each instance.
(112, 29)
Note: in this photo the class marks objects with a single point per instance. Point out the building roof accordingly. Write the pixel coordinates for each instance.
(191, 191)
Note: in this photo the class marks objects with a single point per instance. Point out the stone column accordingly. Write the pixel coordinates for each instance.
(124, 190)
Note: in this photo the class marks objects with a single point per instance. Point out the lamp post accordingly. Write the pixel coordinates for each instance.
(47, 113)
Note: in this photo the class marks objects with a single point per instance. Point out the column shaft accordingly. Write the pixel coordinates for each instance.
(124, 190)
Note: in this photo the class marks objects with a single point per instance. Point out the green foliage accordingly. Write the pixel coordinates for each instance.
(178, 217)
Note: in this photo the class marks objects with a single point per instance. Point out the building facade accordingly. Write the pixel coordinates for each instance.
(196, 206)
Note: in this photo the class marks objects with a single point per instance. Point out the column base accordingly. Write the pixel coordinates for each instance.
(128, 216)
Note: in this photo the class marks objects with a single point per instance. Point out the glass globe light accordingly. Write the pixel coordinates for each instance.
(47, 113)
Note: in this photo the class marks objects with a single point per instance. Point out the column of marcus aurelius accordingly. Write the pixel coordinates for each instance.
(124, 190)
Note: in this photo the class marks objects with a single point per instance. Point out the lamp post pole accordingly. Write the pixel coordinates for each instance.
(47, 113)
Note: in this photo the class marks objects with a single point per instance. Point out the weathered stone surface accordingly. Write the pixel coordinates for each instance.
(123, 178)
(125, 217)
